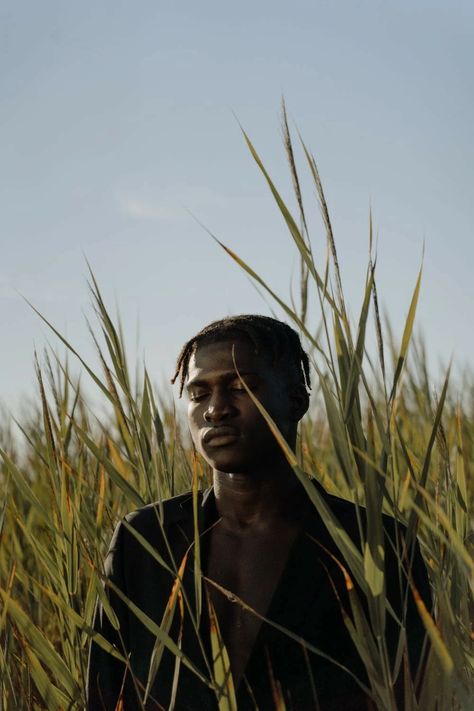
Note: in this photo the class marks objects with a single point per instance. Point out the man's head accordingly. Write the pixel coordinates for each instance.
(225, 424)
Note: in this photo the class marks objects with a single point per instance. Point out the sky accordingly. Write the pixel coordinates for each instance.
(120, 138)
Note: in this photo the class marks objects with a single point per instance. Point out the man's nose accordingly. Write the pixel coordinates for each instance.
(219, 407)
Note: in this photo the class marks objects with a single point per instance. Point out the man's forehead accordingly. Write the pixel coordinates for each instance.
(224, 356)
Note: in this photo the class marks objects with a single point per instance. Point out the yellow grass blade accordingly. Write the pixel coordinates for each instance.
(223, 682)
(438, 645)
(165, 626)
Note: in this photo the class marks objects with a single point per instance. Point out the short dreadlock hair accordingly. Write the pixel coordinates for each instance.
(267, 335)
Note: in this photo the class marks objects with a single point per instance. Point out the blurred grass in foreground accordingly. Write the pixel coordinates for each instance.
(377, 434)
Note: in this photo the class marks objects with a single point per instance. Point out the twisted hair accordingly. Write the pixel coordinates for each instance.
(267, 335)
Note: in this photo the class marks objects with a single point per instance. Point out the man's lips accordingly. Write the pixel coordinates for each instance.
(220, 436)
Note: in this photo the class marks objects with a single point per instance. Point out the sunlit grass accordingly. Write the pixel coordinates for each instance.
(376, 434)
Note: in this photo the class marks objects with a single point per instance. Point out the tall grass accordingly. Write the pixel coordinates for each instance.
(377, 434)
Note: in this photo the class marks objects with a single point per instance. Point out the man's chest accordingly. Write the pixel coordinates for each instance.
(249, 567)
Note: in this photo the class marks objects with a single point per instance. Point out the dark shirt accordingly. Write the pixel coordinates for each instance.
(304, 602)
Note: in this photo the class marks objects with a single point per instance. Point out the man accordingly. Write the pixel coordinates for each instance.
(264, 552)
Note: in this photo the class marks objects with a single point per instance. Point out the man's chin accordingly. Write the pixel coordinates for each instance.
(229, 464)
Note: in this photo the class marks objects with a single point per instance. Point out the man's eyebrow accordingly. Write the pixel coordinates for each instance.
(228, 376)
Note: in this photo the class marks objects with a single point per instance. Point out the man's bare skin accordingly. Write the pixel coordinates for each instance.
(246, 556)
(256, 491)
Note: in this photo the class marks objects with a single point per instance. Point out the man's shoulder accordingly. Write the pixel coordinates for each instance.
(165, 512)
(169, 519)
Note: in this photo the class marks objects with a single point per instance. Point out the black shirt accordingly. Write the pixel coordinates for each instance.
(307, 601)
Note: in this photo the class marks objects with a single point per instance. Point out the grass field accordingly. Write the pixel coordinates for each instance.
(377, 433)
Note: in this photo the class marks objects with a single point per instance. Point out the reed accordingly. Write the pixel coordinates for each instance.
(377, 433)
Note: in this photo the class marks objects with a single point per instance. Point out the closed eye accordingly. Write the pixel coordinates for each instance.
(238, 386)
(197, 397)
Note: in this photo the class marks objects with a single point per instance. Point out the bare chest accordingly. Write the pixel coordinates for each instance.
(250, 567)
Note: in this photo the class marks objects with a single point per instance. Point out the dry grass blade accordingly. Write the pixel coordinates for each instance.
(224, 684)
(435, 636)
(157, 654)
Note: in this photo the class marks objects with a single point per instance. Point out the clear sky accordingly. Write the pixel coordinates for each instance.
(118, 117)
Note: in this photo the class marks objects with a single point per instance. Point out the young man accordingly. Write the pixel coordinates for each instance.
(261, 542)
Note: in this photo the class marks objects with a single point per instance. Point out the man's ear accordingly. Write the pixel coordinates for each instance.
(299, 401)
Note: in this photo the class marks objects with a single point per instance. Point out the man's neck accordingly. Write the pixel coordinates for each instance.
(258, 500)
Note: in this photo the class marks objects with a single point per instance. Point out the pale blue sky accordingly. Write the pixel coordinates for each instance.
(116, 117)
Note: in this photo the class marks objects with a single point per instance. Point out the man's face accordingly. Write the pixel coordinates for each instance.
(226, 426)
